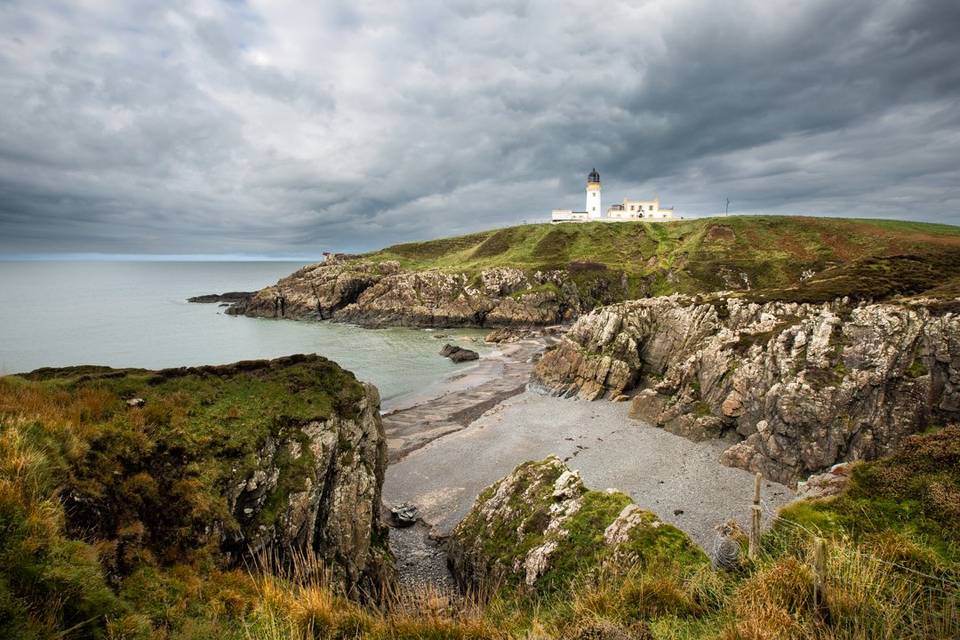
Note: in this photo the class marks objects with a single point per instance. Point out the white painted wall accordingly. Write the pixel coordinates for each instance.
(567, 215)
(593, 203)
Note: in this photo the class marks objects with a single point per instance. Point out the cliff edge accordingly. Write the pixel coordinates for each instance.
(798, 386)
(130, 486)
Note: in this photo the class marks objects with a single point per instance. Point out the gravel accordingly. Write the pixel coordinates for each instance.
(679, 480)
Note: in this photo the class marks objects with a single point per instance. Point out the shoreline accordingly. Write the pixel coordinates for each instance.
(461, 379)
(443, 452)
(445, 408)
(455, 402)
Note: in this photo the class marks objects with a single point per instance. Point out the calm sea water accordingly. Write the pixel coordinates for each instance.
(135, 314)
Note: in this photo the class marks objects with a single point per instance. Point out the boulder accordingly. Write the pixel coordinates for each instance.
(518, 531)
(448, 349)
(464, 355)
(458, 354)
(404, 515)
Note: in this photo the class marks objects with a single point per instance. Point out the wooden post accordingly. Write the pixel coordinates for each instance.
(755, 519)
(819, 573)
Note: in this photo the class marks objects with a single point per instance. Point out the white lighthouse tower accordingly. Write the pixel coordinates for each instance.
(593, 195)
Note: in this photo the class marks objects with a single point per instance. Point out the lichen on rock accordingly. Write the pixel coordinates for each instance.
(234, 465)
(801, 386)
(540, 526)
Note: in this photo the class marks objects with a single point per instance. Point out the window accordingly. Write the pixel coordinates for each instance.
(651, 207)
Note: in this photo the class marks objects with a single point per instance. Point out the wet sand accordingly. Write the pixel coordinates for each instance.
(462, 399)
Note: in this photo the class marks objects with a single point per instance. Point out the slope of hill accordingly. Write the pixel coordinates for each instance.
(544, 274)
(695, 256)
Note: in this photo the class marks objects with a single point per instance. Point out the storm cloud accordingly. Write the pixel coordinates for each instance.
(289, 128)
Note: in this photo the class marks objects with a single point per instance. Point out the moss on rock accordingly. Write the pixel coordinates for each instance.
(110, 475)
(542, 529)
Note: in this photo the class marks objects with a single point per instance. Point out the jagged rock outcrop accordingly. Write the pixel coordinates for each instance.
(331, 510)
(539, 525)
(506, 336)
(801, 386)
(258, 462)
(383, 294)
(228, 297)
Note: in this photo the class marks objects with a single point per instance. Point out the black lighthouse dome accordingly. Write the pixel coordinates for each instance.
(594, 176)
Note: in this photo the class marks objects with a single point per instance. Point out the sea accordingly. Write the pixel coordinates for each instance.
(136, 314)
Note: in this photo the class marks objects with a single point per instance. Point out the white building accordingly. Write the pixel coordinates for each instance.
(639, 209)
(629, 210)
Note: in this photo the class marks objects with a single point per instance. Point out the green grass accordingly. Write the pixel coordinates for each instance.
(912, 496)
(768, 254)
(107, 510)
(129, 559)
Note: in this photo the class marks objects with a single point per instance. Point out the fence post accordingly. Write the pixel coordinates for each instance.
(819, 573)
(755, 519)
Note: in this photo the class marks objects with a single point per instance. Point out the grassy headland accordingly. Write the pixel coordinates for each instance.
(132, 562)
(110, 513)
(803, 258)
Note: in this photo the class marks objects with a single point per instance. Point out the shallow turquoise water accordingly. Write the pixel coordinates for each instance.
(135, 314)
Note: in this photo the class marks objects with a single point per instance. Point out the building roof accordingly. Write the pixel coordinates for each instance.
(594, 176)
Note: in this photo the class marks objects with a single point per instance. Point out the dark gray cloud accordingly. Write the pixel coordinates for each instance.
(268, 127)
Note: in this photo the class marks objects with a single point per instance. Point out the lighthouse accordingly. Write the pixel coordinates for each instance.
(593, 195)
(646, 210)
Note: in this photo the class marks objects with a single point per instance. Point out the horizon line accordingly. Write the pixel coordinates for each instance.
(151, 257)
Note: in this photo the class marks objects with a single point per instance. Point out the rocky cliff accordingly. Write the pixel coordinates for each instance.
(260, 461)
(540, 527)
(383, 294)
(798, 387)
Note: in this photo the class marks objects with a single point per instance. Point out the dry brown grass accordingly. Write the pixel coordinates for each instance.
(865, 598)
(297, 603)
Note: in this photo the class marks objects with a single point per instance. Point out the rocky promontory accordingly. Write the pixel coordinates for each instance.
(383, 294)
(258, 463)
(796, 387)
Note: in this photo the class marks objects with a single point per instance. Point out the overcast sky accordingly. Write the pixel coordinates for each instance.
(274, 127)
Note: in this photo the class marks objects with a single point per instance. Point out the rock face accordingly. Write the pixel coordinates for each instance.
(540, 524)
(801, 386)
(382, 294)
(334, 512)
(259, 461)
(824, 485)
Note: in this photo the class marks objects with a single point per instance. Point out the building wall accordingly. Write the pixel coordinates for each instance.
(646, 206)
(661, 214)
(593, 200)
(567, 215)
(621, 214)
